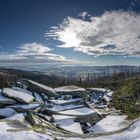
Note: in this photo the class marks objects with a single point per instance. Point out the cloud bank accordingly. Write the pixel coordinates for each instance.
(113, 33)
(32, 52)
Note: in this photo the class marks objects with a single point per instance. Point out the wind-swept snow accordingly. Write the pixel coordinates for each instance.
(109, 123)
(18, 95)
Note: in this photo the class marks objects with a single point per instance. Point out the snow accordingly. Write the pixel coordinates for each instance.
(7, 134)
(79, 111)
(18, 95)
(107, 98)
(69, 89)
(22, 90)
(25, 106)
(109, 93)
(64, 107)
(37, 97)
(69, 125)
(42, 86)
(65, 101)
(5, 100)
(109, 123)
(98, 89)
(61, 117)
(132, 133)
(17, 117)
(6, 112)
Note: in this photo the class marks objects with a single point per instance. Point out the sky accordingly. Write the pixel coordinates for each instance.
(71, 32)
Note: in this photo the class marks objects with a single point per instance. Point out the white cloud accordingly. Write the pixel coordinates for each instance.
(115, 33)
(33, 52)
(84, 15)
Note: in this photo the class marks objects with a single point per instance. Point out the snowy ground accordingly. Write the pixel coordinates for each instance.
(109, 123)
(132, 133)
(7, 133)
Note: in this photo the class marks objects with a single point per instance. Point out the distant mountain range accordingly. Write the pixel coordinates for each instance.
(76, 70)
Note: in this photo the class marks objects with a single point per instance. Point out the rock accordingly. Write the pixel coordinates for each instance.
(74, 91)
(6, 101)
(6, 112)
(23, 90)
(32, 119)
(69, 125)
(40, 88)
(18, 95)
(24, 107)
(37, 97)
(17, 117)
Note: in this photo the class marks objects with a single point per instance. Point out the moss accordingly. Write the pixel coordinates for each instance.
(127, 98)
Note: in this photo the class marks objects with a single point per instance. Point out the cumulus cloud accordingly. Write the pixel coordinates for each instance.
(32, 52)
(114, 32)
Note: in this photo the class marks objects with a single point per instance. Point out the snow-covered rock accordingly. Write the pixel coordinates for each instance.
(69, 125)
(98, 89)
(41, 88)
(18, 95)
(17, 117)
(4, 100)
(64, 107)
(62, 117)
(6, 112)
(37, 97)
(107, 98)
(22, 90)
(69, 89)
(66, 101)
(77, 112)
(24, 107)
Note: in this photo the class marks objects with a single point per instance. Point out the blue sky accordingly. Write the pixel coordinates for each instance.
(86, 32)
